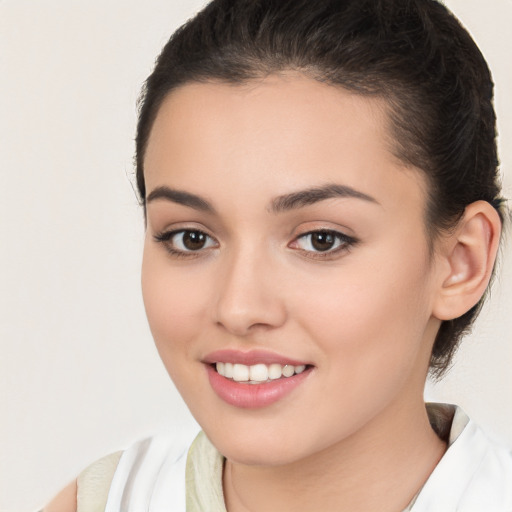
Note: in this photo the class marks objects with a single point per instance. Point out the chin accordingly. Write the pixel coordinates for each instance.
(260, 446)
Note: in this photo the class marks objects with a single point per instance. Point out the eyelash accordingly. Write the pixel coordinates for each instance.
(166, 237)
(345, 243)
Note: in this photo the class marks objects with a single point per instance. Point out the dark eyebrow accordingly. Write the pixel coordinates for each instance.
(310, 196)
(282, 203)
(181, 197)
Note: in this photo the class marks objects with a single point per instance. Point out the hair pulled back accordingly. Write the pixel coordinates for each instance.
(413, 53)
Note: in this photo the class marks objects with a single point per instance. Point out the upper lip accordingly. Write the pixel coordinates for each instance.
(250, 357)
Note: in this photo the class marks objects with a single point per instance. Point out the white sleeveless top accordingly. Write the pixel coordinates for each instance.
(168, 473)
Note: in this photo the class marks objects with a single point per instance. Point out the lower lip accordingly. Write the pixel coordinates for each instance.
(254, 396)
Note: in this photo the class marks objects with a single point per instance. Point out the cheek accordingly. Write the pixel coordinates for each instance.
(369, 329)
(367, 315)
(174, 304)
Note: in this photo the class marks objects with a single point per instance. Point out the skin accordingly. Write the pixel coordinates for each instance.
(356, 430)
(65, 501)
(354, 436)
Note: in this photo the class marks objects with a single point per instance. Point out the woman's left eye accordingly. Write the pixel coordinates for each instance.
(323, 241)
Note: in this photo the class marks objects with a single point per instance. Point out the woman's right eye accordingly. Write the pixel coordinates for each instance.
(185, 242)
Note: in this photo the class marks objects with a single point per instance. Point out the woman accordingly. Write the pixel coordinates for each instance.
(323, 215)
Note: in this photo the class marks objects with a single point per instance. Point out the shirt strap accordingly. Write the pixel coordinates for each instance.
(93, 484)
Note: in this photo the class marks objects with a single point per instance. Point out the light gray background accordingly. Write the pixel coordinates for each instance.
(79, 376)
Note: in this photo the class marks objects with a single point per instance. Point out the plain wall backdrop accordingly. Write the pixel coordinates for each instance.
(79, 375)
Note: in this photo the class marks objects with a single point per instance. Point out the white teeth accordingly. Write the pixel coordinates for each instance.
(275, 371)
(258, 372)
(288, 370)
(228, 370)
(240, 372)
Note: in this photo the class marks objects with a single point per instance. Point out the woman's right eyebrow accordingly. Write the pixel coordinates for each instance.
(180, 197)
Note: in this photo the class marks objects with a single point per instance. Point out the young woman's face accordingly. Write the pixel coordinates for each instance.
(286, 242)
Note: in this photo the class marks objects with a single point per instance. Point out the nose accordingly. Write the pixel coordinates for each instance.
(249, 295)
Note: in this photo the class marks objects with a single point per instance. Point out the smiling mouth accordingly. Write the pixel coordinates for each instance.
(257, 373)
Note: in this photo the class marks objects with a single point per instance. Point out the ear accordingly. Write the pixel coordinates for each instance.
(468, 255)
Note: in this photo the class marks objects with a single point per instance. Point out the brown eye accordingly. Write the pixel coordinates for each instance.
(194, 240)
(322, 240)
(185, 241)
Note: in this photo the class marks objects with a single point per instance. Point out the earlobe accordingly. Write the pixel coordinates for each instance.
(470, 253)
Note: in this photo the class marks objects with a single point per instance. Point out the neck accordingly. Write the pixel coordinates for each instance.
(381, 468)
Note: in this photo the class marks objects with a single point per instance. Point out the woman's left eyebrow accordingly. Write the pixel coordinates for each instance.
(309, 196)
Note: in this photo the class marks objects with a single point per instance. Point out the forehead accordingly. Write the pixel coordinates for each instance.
(286, 131)
(278, 109)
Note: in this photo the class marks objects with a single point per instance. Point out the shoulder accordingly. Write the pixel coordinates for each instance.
(150, 471)
(490, 485)
(483, 470)
(151, 474)
(65, 501)
(89, 492)
(474, 474)
(93, 484)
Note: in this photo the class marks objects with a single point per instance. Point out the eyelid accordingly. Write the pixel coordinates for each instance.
(165, 238)
(346, 242)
